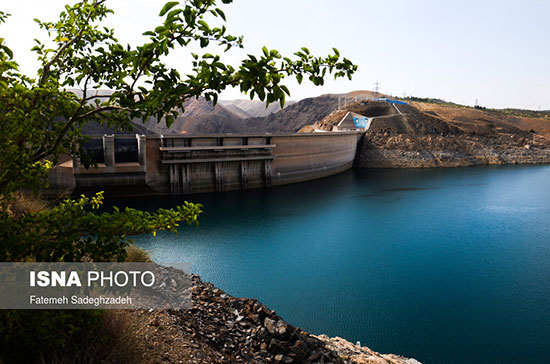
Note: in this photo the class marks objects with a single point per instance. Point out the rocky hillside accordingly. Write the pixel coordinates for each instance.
(247, 108)
(199, 117)
(251, 116)
(537, 121)
(223, 329)
(241, 116)
(294, 117)
(428, 135)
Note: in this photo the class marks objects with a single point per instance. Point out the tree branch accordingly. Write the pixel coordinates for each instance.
(46, 68)
(67, 126)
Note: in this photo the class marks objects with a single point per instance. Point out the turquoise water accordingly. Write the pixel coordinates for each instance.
(443, 265)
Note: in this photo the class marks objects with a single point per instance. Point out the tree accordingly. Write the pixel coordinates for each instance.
(41, 118)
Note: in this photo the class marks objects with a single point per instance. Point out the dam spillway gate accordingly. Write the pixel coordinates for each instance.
(221, 163)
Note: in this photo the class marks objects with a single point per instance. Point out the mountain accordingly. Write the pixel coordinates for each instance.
(239, 116)
(252, 108)
(295, 116)
(200, 117)
(251, 116)
(227, 117)
(234, 109)
(306, 112)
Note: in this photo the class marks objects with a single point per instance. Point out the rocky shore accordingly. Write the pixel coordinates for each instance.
(220, 328)
(386, 150)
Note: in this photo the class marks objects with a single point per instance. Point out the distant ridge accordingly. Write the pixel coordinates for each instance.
(251, 116)
(252, 108)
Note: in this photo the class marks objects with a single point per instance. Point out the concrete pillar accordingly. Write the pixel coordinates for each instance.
(174, 180)
(244, 175)
(218, 175)
(109, 152)
(185, 179)
(142, 152)
(267, 171)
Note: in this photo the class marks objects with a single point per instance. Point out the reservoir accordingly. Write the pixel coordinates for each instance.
(442, 265)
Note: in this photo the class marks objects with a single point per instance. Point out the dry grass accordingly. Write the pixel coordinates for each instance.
(114, 342)
(25, 203)
(307, 129)
(137, 254)
(470, 115)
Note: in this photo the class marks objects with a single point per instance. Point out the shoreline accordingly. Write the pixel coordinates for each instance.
(381, 150)
(220, 328)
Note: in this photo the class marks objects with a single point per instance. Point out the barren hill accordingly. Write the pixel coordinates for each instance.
(429, 118)
(231, 116)
(199, 117)
(472, 116)
(252, 108)
(295, 116)
(431, 135)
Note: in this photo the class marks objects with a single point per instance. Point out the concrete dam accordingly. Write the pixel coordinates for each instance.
(186, 164)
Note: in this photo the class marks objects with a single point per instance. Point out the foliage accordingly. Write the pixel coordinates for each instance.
(85, 55)
(137, 254)
(41, 118)
(543, 114)
(434, 101)
(26, 334)
(72, 232)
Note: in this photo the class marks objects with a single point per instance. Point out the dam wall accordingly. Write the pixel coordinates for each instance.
(306, 156)
(185, 164)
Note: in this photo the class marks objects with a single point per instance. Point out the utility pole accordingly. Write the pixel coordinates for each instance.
(376, 88)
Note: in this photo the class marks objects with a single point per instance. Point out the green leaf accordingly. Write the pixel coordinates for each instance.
(221, 13)
(173, 13)
(169, 119)
(169, 5)
(285, 89)
(282, 101)
(204, 24)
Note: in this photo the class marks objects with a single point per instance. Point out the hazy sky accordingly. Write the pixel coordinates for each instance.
(495, 51)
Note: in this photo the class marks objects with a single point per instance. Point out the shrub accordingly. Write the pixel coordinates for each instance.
(137, 254)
